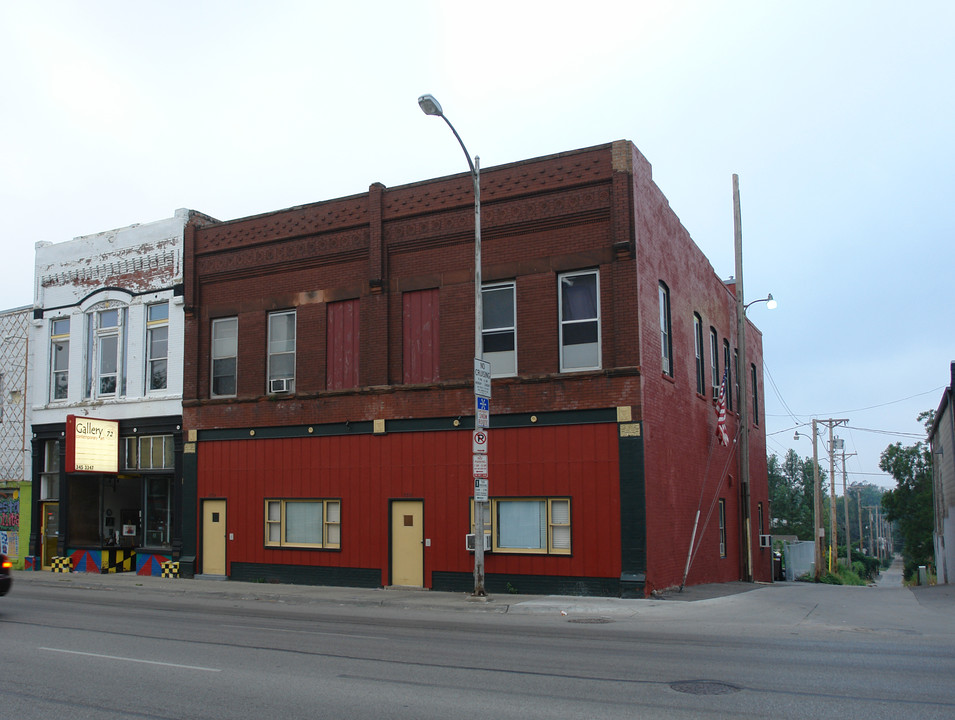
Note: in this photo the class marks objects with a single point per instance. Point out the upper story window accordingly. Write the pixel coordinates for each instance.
(225, 346)
(715, 363)
(736, 375)
(698, 345)
(59, 358)
(729, 380)
(157, 345)
(666, 330)
(500, 327)
(106, 353)
(282, 352)
(752, 369)
(579, 321)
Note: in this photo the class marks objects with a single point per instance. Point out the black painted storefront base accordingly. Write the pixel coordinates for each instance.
(528, 584)
(306, 575)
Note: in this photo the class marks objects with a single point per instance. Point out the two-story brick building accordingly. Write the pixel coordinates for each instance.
(106, 349)
(328, 387)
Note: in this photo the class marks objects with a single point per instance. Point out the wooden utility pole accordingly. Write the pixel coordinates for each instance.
(845, 506)
(819, 530)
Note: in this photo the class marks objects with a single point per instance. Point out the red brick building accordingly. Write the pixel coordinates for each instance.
(328, 398)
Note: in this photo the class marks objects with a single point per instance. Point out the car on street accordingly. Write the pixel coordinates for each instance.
(6, 574)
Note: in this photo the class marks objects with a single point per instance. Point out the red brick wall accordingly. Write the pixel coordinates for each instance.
(591, 208)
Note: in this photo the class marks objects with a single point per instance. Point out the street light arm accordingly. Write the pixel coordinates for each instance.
(461, 143)
(770, 303)
(430, 106)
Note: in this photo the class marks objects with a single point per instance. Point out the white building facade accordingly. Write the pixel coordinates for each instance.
(106, 343)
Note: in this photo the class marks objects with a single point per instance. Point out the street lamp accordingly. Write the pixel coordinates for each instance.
(742, 374)
(430, 106)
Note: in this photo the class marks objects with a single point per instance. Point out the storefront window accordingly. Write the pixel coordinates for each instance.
(158, 512)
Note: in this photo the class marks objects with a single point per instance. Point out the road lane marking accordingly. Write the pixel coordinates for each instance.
(129, 659)
(307, 632)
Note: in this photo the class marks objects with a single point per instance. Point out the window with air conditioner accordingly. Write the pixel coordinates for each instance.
(282, 352)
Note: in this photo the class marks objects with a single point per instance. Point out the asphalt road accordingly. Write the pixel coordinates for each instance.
(106, 647)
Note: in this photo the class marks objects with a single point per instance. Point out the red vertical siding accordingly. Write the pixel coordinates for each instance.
(420, 331)
(342, 345)
(367, 471)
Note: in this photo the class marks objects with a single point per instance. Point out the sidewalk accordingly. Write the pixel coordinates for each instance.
(395, 597)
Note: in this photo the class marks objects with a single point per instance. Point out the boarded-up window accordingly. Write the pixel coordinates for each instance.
(342, 345)
(420, 327)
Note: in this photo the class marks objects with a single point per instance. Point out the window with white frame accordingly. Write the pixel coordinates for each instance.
(579, 321)
(306, 523)
(500, 327)
(281, 374)
(225, 346)
(698, 345)
(59, 358)
(666, 330)
(106, 353)
(531, 525)
(722, 528)
(157, 346)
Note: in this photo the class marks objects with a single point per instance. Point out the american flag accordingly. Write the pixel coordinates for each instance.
(721, 413)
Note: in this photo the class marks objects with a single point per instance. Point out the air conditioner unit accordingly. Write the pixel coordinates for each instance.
(280, 385)
(765, 541)
(469, 542)
(716, 392)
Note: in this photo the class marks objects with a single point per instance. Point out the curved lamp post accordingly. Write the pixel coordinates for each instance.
(430, 106)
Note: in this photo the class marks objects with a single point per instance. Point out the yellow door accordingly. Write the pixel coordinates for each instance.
(213, 537)
(407, 543)
(50, 532)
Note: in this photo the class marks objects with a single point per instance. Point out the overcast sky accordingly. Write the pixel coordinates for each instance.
(837, 117)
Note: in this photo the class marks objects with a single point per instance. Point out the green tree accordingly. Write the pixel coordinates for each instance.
(791, 494)
(909, 505)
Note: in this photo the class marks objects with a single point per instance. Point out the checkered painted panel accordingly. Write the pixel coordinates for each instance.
(62, 564)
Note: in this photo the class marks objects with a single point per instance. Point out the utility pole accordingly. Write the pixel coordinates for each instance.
(859, 502)
(870, 508)
(817, 500)
(834, 443)
(742, 373)
(845, 506)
